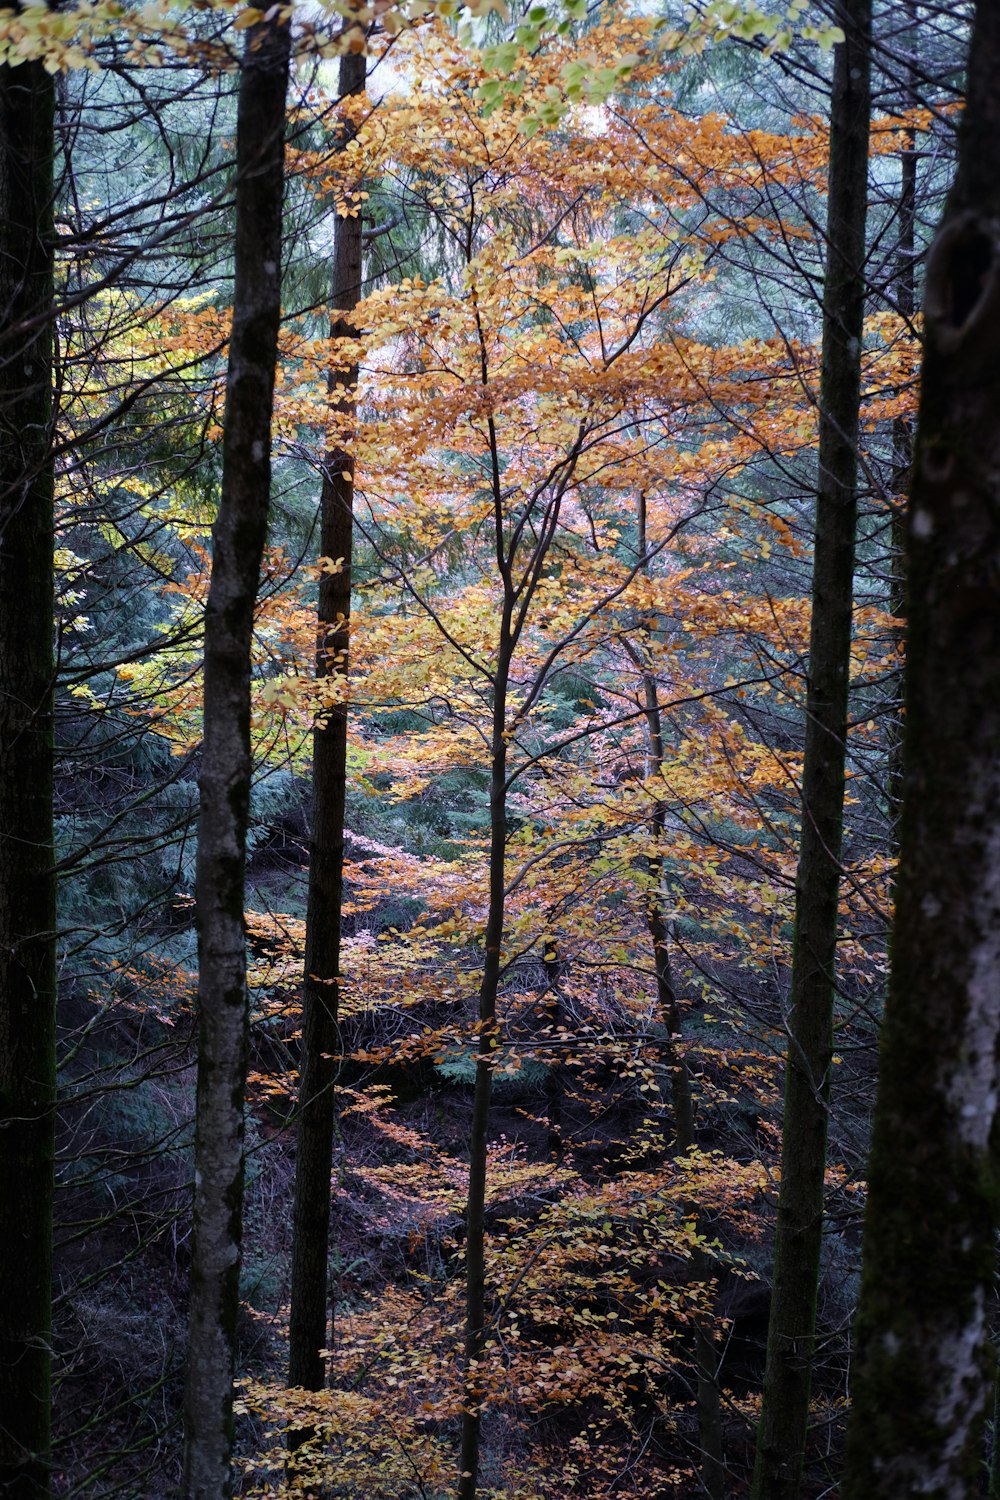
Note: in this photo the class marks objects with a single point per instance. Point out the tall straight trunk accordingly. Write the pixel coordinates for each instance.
(320, 994)
(922, 1380)
(902, 427)
(27, 880)
(785, 1408)
(475, 1211)
(237, 546)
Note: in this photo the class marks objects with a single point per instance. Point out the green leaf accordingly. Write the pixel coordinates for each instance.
(502, 58)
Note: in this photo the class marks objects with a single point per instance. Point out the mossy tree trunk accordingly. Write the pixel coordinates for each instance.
(237, 546)
(320, 1032)
(922, 1386)
(27, 880)
(785, 1407)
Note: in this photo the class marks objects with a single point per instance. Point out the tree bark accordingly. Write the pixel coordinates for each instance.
(902, 427)
(27, 879)
(320, 993)
(237, 546)
(993, 1482)
(922, 1380)
(475, 1212)
(785, 1406)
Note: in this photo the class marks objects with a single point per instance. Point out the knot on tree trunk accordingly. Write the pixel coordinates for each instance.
(963, 280)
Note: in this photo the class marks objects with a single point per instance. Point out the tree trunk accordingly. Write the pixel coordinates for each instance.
(27, 879)
(785, 1407)
(713, 1470)
(922, 1381)
(902, 427)
(237, 546)
(475, 1226)
(320, 1035)
(993, 1482)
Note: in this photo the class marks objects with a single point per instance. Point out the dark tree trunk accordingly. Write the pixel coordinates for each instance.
(237, 546)
(785, 1408)
(922, 1379)
(902, 427)
(320, 1035)
(27, 880)
(475, 1212)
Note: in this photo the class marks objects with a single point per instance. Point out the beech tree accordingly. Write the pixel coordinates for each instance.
(237, 548)
(27, 869)
(922, 1384)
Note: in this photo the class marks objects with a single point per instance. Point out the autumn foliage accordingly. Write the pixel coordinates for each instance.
(564, 401)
